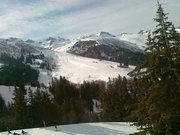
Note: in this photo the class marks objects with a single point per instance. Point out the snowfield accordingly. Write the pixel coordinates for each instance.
(106, 128)
(78, 69)
(75, 68)
(138, 39)
(7, 93)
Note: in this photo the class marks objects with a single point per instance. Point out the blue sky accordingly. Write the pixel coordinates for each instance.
(39, 19)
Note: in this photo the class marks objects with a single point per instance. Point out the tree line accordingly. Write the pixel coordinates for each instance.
(14, 71)
(66, 103)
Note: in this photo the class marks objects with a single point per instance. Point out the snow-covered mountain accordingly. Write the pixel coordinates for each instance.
(65, 56)
(33, 55)
(54, 43)
(75, 68)
(105, 38)
(139, 39)
(107, 47)
(15, 46)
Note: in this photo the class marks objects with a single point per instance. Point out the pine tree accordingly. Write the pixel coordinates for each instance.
(116, 100)
(20, 108)
(158, 81)
(88, 92)
(63, 90)
(41, 108)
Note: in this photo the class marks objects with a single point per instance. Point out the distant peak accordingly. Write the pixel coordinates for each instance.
(50, 38)
(14, 39)
(55, 39)
(30, 41)
(105, 34)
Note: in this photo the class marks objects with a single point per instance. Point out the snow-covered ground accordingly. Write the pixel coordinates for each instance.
(107, 128)
(44, 77)
(138, 39)
(77, 68)
(7, 92)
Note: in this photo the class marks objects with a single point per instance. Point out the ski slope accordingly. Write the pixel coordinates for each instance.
(106, 128)
(78, 69)
(75, 68)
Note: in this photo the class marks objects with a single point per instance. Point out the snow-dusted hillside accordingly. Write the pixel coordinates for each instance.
(111, 40)
(15, 47)
(105, 38)
(77, 68)
(109, 128)
(73, 67)
(107, 47)
(54, 43)
(138, 39)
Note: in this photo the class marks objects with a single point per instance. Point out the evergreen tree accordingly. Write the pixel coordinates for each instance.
(116, 100)
(20, 108)
(41, 108)
(63, 90)
(158, 81)
(88, 92)
(72, 111)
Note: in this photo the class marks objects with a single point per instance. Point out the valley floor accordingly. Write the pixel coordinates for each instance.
(106, 128)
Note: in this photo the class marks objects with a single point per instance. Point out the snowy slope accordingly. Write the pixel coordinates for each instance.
(15, 47)
(74, 68)
(109, 128)
(53, 43)
(105, 38)
(7, 92)
(139, 39)
(77, 68)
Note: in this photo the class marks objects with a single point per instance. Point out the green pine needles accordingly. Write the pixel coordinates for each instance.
(158, 81)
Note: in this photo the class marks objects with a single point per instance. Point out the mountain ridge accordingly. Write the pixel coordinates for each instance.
(56, 52)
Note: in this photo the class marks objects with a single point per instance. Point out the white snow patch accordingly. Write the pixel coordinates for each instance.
(44, 77)
(38, 61)
(97, 106)
(1, 65)
(138, 39)
(7, 93)
(105, 128)
(178, 30)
